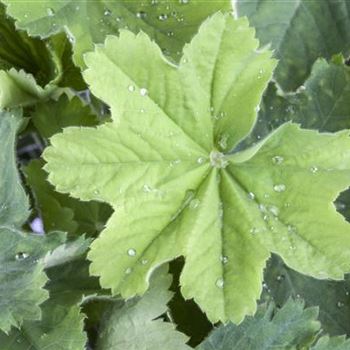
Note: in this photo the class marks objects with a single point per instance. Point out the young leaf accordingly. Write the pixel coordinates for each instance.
(175, 188)
(290, 327)
(324, 26)
(135, 326)
(171, 23)
(331, 297)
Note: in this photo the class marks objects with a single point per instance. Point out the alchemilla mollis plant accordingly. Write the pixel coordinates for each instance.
(174, 175)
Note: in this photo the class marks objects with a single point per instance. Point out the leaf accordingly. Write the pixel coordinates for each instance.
(324, 26)
(334, 343)
(175, 188)
(136, 325)
(59, 211)
(160, 19)
(290, 327)
(332, 297)
(52, 116)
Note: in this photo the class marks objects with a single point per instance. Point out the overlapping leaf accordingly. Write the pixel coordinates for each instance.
(21, 266)
(322, 26)
(135, 325)
(171, 23)
(291, 327)
(163, 164)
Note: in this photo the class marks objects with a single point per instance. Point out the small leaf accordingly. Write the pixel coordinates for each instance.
(136, 325)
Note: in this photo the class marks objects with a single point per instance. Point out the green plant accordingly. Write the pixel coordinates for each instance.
(193, 182)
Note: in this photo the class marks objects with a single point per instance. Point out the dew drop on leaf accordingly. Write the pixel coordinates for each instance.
(144, 261)
(194, 203)
(107, 12)
(141, 14)
(131, 252)
(200, 160)
(163, 17)
(340, 304)
(279, 188)
(128, 271)
(143, 92)
(274, 210)
(224, 259)
(146, 188)
(21, 256)
(277, 160)
(50, 12)
(314, 169)
(184, 2)
(131, 88)
(280, 278)
(251, 195)
(220, 283)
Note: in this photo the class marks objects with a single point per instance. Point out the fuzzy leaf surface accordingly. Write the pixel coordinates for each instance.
(171, 23)
(175, 188)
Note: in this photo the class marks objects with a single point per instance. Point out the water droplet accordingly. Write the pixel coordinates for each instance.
(251, 195)
(22, 256)
(280, 278)
(277, 160)
(142, 110)
(314, 169)
(131, 88)
(175, 162)
(146, 188)
(347, 293)
(340, 304)
(220, 283)
(154, 2)
(128, 270)
(254, 230)
(223, 141)
(131, 252)
(184, 2)
(144, 261)
(274, 210)
(224, 259)
(141, 14)
(266, 195)
(279, 188)
(291, 229)
(163, 17)
(170, 34)
(96, 192)
(143, 92)
(107, 12)
(194, 203)
(50, 12)
(200, 160)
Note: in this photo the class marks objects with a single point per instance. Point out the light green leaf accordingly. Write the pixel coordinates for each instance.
(323, 25)
(334, 343)
(136, 326)
(176, 189)
(59, 211)
(332, 297)
(171, 23)
(17, 88)
(290, 327)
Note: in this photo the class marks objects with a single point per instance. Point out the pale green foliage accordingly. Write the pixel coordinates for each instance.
(175, 194)
(135, 326)
(291, 327)
(171, 23)
(322, 25)
(335, 343)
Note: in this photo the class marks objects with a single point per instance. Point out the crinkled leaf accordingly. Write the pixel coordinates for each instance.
(334, 343)
(332, 297)
(323, 25)
(59, 211)
(136, 326)
(171, 23)
(21, 268)
(290, 327)
(175, 189)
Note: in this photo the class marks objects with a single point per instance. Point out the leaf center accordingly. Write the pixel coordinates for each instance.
(218, 159)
